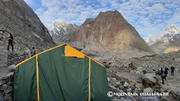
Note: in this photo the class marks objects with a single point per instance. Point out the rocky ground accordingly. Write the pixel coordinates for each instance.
(128, 79)
(6, 73)
(138, 75)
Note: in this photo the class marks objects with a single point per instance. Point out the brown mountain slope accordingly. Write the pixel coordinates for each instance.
(108, 32)
(173, 47)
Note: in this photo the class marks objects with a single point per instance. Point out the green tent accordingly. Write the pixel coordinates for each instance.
(60, 74)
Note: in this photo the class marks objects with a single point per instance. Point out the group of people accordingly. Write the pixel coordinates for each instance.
(164, 73)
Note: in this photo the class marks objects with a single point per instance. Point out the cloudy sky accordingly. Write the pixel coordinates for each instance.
(147, 16)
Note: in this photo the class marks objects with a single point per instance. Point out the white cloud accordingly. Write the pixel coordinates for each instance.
(29, 2)
(147, 16)
(39, 11)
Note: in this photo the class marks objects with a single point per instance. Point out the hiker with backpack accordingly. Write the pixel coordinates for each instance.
(10, 42)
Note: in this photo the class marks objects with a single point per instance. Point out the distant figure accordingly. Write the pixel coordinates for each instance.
(163, 77)
(162, 71)
(10, 42)
(33, 52)
(166, 72)
(172, 70)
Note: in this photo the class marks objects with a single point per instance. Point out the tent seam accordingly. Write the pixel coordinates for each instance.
(37, 74)
(89, 79)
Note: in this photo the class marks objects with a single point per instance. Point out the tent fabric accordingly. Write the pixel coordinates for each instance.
(98, 82)
(71, 52)
(25, 81)
(53, 76)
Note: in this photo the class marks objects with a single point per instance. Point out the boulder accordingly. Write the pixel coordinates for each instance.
(132, 84)
(9, 75)
(126, 84)
(149, 78)
(129, 90)
(148, 90)
(148, 70)
(139, 79)
(137, 90)
(133, 63)
(9, 90)
(113, 80)
(11, 67)
(139, 85)
(3, 87)
(117, 83)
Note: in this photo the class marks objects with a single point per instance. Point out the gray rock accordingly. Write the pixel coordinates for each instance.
(115, 99)
(132, 84)
(1, 83)
(139, 85)
(3, 87)
(129, 90)
(118, 83)
(9, 75)
(139, 80)
(11, 67)
(126, 84)
(1, 97)
(148, 90)
(148, 70)
(147, 99)
(149, 78)
(8, 90)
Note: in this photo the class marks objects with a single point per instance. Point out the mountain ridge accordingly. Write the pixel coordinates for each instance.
(109, 32)
(168, 36)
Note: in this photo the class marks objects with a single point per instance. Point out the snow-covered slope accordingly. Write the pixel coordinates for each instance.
(60, 28)
(166, 37)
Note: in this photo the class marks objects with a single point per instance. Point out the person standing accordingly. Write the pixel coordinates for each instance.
(172, 70)
(33, 52)
(10, 42)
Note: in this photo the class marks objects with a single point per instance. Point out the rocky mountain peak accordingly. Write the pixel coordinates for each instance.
(111, 16)
(59, 22)
(172, 29)
(168, 36)
(60, 28)
(109, 32)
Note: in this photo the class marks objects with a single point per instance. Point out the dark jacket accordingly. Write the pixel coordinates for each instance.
(172, 68)
(165, 72)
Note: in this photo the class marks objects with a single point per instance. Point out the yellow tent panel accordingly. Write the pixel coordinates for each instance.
(71, 52)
